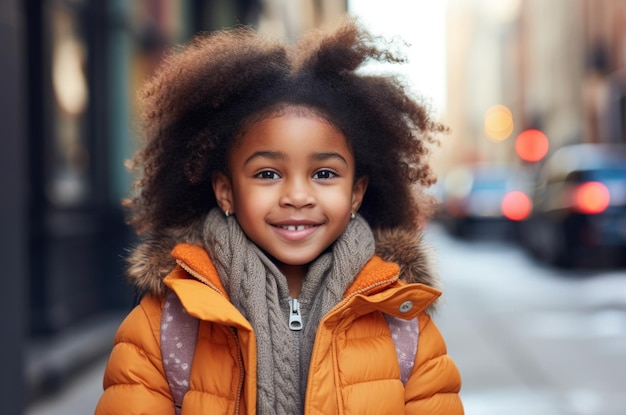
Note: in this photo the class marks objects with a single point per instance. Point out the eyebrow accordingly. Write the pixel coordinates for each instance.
(328, 156)
(277, 155)
(274, 155)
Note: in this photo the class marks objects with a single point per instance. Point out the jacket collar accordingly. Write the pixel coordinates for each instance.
(376, 286)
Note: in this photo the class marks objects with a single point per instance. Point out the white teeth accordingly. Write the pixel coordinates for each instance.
(294, 228)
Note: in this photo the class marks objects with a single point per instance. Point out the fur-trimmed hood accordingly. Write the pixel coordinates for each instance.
(151, 260)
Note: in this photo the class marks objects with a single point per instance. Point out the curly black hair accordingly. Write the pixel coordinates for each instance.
(205, 93)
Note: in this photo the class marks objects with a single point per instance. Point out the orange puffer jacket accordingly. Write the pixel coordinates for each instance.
(354, 367)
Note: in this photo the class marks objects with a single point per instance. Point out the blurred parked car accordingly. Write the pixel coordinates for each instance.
(482, 198)
(579, 212)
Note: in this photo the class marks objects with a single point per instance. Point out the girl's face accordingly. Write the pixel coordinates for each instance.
(291, 186)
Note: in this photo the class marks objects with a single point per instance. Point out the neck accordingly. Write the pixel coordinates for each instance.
(295, 276)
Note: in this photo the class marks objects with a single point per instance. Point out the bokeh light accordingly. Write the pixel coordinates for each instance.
(592, 197)
(532, 145)
(516, 205)
(498, 123)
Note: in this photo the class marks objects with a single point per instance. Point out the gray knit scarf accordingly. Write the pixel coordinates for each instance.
(259, 291)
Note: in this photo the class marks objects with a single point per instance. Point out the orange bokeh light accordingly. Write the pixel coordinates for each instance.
(592, 197)
(532, 145)
(498, 123)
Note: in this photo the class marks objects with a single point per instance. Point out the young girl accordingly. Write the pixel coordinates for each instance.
(278, 203)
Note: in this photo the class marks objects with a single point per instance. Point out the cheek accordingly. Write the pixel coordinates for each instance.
(253, 199)
(338, 202)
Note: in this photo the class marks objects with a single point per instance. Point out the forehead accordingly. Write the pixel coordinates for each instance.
(286, 110)
(292, 130)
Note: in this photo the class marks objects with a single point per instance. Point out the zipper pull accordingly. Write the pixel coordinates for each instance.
(295, 318)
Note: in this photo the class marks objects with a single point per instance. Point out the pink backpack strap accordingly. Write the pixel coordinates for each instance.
(179, 333)
(404, 334)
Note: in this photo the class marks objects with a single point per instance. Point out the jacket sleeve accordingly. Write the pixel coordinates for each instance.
(434, 385)
(134, 380)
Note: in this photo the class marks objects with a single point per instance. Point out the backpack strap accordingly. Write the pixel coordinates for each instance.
(404, 334)
(179, 333)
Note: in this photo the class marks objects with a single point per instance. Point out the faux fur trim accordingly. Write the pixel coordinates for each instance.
(151, 260)
(409, 250)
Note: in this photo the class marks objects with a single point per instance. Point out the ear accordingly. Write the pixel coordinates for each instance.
(358, 192)
(223, 190)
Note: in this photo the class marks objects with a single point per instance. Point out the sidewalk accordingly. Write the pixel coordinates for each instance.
(64, 374)
(78, 397)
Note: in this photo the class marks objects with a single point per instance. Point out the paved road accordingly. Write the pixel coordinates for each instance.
(528, 340)
(532, 340)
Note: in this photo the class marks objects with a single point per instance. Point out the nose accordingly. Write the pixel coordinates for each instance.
(297, 193)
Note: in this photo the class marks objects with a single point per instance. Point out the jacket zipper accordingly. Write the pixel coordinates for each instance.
(296, 326)
(295, 317)
(241, 372)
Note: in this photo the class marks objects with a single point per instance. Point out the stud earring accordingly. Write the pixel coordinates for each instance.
(352, 215)
(227, 213)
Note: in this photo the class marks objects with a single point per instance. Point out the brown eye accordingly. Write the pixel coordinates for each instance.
(324, 174)
(267, 175)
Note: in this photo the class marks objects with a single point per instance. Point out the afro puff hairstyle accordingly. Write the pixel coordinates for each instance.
(205, 93)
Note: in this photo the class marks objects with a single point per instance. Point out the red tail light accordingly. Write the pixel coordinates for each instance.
(591, 198)
(516, 205)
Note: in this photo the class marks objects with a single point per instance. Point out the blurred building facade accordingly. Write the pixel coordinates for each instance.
(68, 96)
(557, 66)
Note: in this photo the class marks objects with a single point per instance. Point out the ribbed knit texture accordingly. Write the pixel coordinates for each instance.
(258, 289)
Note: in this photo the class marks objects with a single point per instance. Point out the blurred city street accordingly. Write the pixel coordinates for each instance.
(527, 339)
(534, 93)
